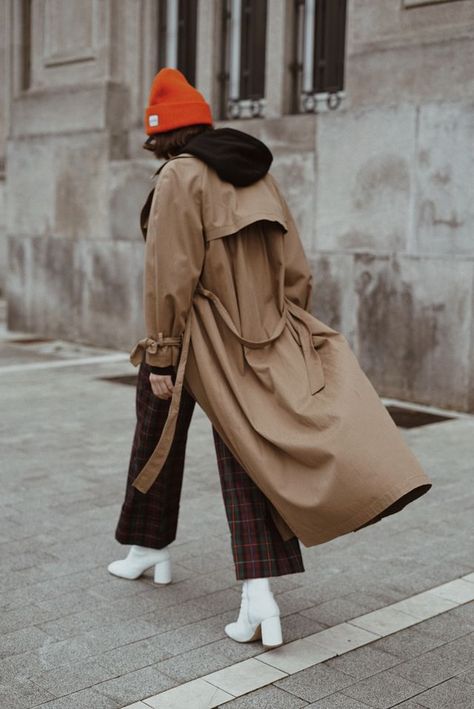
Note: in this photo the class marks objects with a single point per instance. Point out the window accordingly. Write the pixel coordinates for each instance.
(177, 36)
(320, 30)
(243, 60)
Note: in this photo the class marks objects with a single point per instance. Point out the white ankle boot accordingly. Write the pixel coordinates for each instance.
(259, 615)
(140, 559)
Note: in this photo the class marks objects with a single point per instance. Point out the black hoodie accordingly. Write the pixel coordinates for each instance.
(237, 157)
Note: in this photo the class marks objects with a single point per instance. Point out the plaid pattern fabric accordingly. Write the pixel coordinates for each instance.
(151, 519)
(257, 546)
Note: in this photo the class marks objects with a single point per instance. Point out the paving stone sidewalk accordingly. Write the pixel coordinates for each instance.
(73, 636)
(429, 665)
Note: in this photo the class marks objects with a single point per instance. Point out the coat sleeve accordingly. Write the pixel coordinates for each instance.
(174, 256)
(298, 275)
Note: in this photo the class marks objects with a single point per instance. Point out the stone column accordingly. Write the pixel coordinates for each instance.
(74, 266)
(5, 89)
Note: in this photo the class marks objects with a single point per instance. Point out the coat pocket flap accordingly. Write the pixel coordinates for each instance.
(315, 366)
(318, 341)
(316, 374)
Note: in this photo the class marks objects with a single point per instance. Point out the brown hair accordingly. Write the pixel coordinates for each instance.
(171, 142)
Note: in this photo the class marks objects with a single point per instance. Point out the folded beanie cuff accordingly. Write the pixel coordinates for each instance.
(160, 118)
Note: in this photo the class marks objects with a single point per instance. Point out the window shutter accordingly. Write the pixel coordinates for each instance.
(162, 25)
(185, 39)
(252, 49)
(187, 24)
(329, 33)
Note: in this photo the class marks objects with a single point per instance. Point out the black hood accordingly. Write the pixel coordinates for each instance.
(237, 157)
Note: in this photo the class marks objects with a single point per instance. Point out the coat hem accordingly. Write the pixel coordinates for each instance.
(377, 508)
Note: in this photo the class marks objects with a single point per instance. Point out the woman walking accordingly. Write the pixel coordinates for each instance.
(306, 451)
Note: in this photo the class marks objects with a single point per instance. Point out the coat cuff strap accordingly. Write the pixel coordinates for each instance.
(162, 370)
(155, 351)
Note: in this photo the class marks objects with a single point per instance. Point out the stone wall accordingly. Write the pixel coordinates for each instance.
(395, 247)
(394, 231)
(381, 189)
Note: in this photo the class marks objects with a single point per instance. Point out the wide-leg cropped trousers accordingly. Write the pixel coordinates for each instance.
(151, 519)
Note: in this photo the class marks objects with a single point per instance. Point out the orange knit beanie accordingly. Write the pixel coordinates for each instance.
(174, 103)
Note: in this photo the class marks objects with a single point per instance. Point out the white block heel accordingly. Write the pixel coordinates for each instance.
(139, 560)
(162, 572)
(259, 615)
(271, 631)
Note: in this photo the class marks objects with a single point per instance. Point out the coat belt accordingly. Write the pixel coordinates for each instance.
(154, 465)
(311, 357)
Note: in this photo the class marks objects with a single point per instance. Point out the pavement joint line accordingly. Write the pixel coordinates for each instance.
(97, 359)
(262, 670)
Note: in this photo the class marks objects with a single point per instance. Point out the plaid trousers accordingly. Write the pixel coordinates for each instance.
(151, 519)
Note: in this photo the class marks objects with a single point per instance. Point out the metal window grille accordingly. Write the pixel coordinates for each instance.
(177, 21)
(320, 30)
(243, 61)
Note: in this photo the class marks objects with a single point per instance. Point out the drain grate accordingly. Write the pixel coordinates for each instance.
(413, 418)
(29, 341)
(404, 418)
(130, 379)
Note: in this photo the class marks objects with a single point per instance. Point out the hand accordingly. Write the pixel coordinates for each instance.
(161, 385)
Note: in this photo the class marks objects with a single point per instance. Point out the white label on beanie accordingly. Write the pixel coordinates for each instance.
(153, 120)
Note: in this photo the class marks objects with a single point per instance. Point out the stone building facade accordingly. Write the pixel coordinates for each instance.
(381, 188)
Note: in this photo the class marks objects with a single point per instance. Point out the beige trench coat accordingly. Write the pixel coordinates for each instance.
(227, 289)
